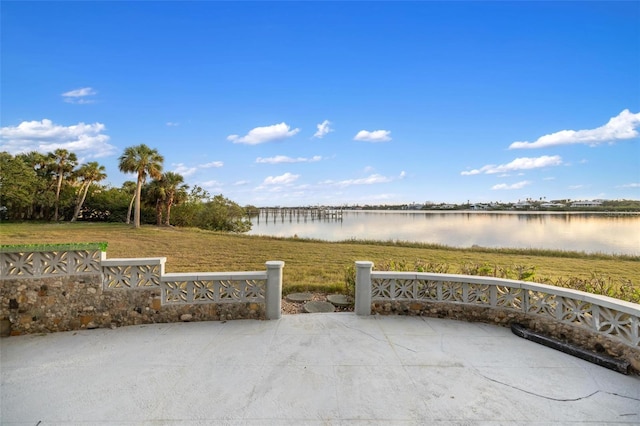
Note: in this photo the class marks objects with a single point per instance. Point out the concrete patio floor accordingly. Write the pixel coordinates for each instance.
(315, 369)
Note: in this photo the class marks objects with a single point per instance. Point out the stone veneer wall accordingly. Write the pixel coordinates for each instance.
(77, 302)
(565, 332)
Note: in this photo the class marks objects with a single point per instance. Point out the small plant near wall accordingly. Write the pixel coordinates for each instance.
(418, 265)
(350, 280)
(524, 272)
(600, 284)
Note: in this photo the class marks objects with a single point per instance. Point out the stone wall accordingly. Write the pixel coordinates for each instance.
(41, 305)
(578, 336)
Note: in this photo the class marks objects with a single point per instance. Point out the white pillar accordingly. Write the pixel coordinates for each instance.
(363, 287)
(273, 291)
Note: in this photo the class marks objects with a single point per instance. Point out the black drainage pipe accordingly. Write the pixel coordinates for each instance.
(620, 366)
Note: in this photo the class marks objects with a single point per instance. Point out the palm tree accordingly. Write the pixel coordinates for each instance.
(154, 194)
(35, 160)
(63, 163)
(145, 162)
(88, 173)
(129, 187)
(175, 191)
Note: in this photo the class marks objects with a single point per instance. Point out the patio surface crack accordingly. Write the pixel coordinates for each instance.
(377, 339)
(556, 399)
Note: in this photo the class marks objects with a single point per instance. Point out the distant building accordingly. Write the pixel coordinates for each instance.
(479, 207)
(593, 203)
(552, 205)
(415, 206)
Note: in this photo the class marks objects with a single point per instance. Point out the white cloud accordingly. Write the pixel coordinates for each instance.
(79, 96)
(279, 159)
(265, 134)
(78, 93)
(369, 180)
(44, 136)
(172, 124)
(241, 183)
(518, 185)
(630, 185)
(375, 136)
(212, 164)
(622, 126)
(284, 179)
(576, 186)
(211, 184)
(185, 171)
(323, 129)
(523, 163)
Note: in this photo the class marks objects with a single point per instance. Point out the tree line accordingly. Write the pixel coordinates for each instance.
(54, 187)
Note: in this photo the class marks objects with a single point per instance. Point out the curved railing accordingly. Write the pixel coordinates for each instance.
(603, 315)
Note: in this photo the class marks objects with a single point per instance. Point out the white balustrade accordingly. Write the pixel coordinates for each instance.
(149, 273)
(226, 287)
(49, 263)
(188, 288)
(136, 273)
(600, 314)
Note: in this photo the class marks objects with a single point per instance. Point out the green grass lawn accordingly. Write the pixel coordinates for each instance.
(309, 264)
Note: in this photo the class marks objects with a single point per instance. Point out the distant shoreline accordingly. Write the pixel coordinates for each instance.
(597, 212)
(278, 210)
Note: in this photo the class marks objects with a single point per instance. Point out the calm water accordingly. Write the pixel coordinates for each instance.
(586, 232)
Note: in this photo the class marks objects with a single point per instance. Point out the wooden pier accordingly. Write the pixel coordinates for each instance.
(299, 214)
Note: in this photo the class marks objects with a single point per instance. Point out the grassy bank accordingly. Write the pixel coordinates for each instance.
(311, 264)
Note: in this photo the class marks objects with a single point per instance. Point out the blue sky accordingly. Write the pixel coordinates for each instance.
(306, 103)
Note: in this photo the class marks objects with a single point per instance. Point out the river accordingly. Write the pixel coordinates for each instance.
(569, 231)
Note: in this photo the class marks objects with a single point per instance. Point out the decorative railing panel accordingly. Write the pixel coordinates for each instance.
(46, 264)
(604, 315)
(186, 289)
(576, 311)
(541, 303)
(621, 324)
(139, 273)
(508, 297)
